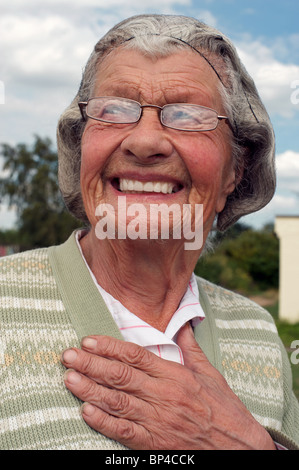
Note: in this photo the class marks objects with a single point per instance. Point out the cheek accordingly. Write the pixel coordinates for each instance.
(89, 161)
(92, 163)
(204, 163)
(95, 153)
(98, 144)
(207, 164)
(91, 157)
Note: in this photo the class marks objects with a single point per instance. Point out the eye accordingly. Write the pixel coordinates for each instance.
(189, 117)
(109, 110)
(106, 110)
(181, 116)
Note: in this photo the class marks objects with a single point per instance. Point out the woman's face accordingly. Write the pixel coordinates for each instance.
(196, 167)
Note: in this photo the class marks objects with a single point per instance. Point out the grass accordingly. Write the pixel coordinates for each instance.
(288, 333)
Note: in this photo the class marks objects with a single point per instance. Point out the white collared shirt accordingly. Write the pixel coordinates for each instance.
(135, 330)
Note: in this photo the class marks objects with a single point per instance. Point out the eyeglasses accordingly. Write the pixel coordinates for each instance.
(179, 116)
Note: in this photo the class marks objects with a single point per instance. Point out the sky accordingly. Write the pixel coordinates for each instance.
(44, 45)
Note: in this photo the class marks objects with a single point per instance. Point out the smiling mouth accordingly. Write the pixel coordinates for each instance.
(134, 186)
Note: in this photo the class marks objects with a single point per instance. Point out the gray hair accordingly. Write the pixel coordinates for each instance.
(253, 148)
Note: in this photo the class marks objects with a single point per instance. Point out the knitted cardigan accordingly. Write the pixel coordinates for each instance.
(49, 302)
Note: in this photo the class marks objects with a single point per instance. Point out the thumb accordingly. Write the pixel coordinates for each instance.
(194, 358)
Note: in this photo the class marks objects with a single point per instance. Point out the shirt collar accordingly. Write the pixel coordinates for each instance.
(138, 331)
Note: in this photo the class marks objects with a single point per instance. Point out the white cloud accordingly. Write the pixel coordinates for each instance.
(101, 4)
(280, 205)
(42, 59)
(272, 77)
(43, 50)
(90, 8)
(287, 165)
(207, 17)
(284, 204)
(286, 198)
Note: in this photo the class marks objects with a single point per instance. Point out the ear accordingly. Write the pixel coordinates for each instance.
(228, 186)
(231, 180)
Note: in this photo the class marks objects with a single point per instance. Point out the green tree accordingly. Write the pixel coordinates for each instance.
(257, 253)
(30, 186)
(243, 259)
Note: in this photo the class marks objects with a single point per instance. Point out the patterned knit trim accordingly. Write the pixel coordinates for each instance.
(37, 411)
(250, 353)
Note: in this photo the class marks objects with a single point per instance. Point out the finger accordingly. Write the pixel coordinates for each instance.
(194, 357)
(110, 373)
(113, 402)
(121, 430)
(127, 353)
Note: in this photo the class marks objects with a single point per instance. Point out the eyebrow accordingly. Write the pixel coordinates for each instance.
(122, 90)
(170, 94)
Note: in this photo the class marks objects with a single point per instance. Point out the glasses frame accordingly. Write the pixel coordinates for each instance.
(83, 104)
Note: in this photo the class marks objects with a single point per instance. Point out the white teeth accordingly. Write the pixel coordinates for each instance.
(131, 186)
(147, 187)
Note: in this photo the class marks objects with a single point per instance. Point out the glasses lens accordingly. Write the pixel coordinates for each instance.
(189, 117)
(115, 110)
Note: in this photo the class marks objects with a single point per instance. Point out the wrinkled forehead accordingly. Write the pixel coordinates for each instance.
(182, 76)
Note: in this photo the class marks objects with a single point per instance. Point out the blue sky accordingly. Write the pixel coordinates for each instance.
(263, 18)
(45, 45)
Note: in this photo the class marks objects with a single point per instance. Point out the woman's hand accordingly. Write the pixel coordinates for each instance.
(145, 402)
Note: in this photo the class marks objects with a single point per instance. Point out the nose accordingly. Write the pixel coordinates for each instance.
(148, 140)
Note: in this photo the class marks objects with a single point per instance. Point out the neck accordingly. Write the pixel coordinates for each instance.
(148, 277)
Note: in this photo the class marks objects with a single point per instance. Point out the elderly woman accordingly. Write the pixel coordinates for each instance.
(166, 117)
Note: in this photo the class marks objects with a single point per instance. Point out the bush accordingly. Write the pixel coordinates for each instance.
(243, 260)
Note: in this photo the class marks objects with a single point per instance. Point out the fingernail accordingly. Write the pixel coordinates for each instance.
(87, 409)
(69, 356)
(89, 343)
(72, 377)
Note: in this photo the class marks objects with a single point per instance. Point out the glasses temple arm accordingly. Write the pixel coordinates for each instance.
(82, 105)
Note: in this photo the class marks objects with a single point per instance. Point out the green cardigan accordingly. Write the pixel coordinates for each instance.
(48, 302)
